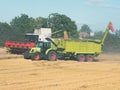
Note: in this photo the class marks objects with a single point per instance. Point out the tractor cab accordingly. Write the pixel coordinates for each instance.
(43, 45)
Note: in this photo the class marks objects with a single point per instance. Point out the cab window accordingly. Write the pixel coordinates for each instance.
(40, 44)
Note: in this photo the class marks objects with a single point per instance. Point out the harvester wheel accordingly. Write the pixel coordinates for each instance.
(52, 56)
(26, 55)
(81, 58)
(35, 56)
(89, 58)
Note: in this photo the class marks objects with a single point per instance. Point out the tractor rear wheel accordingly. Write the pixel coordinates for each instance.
(81, 58)
(89, 58)
(35, 56)
(52, 56)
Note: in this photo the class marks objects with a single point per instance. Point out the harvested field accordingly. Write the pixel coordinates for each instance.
(17, 73)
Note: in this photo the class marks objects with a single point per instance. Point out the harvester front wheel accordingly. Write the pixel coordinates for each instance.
(35, 56)
(81, 58)
(52, 56)
(26, 55)
(89, 58)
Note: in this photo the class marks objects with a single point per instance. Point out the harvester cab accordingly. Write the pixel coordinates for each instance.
(31, 38)
(38, 35)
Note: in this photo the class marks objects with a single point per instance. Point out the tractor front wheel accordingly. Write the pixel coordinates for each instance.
(35, 56)
(52, 56)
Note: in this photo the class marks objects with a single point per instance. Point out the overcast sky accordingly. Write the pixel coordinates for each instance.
(95, 13)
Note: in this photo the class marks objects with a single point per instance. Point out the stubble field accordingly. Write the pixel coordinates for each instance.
(17, 73)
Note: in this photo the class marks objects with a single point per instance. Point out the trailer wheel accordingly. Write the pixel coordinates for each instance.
(35, 56)
(26, 55)
(89, 58)
(52, 56)
(81, 58)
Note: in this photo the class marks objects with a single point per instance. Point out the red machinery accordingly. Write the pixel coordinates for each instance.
(21, 47)
(18, 47)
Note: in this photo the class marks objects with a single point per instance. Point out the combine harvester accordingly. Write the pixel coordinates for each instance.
(62, 48)
(31, 40)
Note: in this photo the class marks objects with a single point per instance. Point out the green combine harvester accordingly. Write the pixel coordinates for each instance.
(60, 48)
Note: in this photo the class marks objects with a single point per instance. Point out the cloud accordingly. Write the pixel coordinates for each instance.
(101, 3)
(110, 6)
(94, 2)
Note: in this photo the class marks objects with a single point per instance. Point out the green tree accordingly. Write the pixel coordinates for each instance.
(5, 32)
(22, 24)
(98, 34)
(62, 22)
(117, 33)
(112, 43)
(85, 28)
(40, 22)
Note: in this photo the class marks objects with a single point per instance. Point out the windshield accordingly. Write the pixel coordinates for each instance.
(40, 44)
(31, 38)
(44, 45)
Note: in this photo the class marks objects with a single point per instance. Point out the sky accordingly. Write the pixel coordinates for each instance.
(95, 13)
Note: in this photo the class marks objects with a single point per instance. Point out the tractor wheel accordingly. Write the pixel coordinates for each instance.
(35, 56)
(52, 56)
(89, 58)
(26, 55)
(81, 58)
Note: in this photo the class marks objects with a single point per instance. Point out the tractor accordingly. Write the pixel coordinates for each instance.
(62, 48)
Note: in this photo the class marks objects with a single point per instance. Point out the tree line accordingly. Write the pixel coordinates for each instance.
(20, 25)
